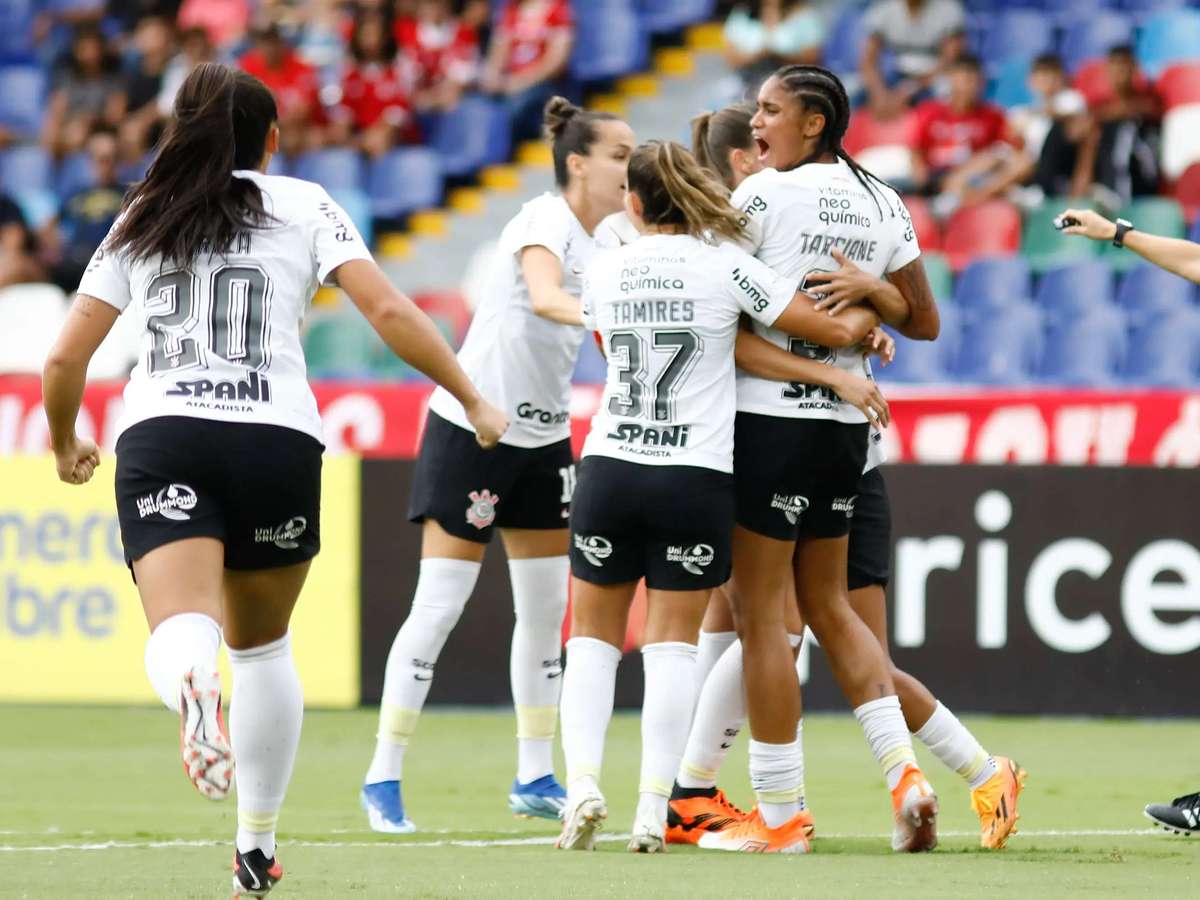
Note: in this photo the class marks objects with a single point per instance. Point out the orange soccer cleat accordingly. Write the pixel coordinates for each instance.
(751, 835)
(915, 806)
(690, 817)
(995, 802)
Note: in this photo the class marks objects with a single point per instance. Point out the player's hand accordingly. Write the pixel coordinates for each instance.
(1090, 224)
(879, 343)
(76, 463)
(845, 287)
(489, 423)
(864, 395)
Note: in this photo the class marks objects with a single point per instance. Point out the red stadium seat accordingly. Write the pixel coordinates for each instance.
(929, 233)
(867, 131)
(988, 229)
(1180, 84)
(1187, 192)
(1092, 81)
(447, 305)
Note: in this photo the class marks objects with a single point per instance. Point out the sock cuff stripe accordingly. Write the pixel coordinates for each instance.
(536, 722)
(791, 795)
(669, 648)
(977, 764)
(577, 772)
(697, 773)
(273, 650)
(396, 724)
(595, 645)
(258, 822)
(654, 786)
(889, 759)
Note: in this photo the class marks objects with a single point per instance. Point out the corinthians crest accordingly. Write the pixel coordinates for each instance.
(482, 511)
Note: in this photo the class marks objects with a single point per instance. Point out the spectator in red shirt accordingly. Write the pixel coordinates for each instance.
(375, 113)
(441, 49)
(952, 132)
(295, 85)
(528, 58)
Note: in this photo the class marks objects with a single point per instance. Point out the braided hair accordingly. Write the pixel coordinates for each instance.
(817, 87)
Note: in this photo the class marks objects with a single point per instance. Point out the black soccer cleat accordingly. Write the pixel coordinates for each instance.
(1181, 815)
(254, 875)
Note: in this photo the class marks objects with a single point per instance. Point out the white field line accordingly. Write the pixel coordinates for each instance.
(512, 842)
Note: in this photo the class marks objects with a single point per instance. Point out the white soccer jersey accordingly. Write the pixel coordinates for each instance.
(615, 231)
(667, 308)
(794, 220)
(221, 339)
(520, 361)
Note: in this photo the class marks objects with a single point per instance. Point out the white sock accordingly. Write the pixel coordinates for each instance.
(589, 683)
(883, 724)
(443, 588)
(175, 646)
(709, 649)
(670, 695)
(264, 728)
(540, 602)
(950, 741)
(720, 715)
(777, 773)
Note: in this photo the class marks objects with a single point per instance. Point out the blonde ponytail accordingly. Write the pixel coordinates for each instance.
(675, 190)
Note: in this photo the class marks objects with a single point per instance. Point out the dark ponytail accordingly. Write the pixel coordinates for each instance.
(816, 87)
(190, 203)
(570, 129)
(717, 134)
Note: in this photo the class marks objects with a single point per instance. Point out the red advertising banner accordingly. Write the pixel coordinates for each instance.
(1033, 427)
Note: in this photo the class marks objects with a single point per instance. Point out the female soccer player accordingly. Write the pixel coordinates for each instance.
(655, 498)
(219, 456)
(521, 350)
(726, 145)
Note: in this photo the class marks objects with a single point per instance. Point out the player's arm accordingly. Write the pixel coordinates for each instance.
(758, 356)
(920, 320)
(850, 285)
(414, 338)
(802, 319)
(544, 276)
(1173, 254)
(63, 378)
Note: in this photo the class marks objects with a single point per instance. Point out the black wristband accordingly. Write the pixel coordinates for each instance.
(1124, 226)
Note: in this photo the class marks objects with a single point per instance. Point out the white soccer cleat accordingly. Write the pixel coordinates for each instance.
(581, 822)
(648, 837)
(203, 740)
(915, 807)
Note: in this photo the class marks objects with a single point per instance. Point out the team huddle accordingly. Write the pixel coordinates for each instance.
(737, 292)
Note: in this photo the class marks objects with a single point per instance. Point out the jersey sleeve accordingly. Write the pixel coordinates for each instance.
(107, 276)
(335, 239)
(587, 300)
(749, 198)
(904, 237)
(545, 225)
(757, 289)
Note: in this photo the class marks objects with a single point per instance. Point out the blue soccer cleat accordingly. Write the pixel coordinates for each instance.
(385, 808)
(542, 799)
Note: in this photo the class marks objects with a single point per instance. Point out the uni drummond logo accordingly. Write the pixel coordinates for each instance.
(594, 548)
(175, 502)
(50, 561)
(694, 559)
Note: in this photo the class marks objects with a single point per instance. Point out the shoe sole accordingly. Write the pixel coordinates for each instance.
(1172, 829)
(380, 825)
(922, 819)
(647, 843)
(580, 832)
(207, 756)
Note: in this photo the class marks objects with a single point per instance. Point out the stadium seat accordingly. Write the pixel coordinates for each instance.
(74, 174)
(1194, 234)
(1142, 8)
(1155, 215)
(1093, 36)
(844, 43)
(335, 168)
(867, 131)
(22, 99)
(1010, 87)
(1179, 145)
(1147, 292)
(339, 345)
(27, 168)
(609, 49)
(662, 16)
(474, 134)
(1076, 288)
(929, 233)
(1091, 80)
(991, 282)
(923, 362)
(986, 229)
(358, 207)
(1165, 351)
(1000, 346)
(403, 181)
(16, 29)
(1168, 37)
(30, 318)
(937, 270)
(448, 306)
(1180, 84)
(1015, 34)
(1085, 351)
(1045, 246)
(591, 367)
(1187, 192)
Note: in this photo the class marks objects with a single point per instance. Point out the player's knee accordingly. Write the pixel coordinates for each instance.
(440, 618)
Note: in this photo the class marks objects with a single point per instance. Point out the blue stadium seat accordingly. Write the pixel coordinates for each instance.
(27, 168)
(1150, 292)
(358, 207)
(924, 362)
(22, 98)
(403, 181)
(16, 27)
(845, 41)
(1141, 9)
(661, 16)
(1086, 350)
(1001, 346)
(1165, 351)
(1076, 288)
(591, 367)
(609, 47)
(74, 174)
(1168, 37)
(1015, 34)
(474, 134)
(1067, 14)
(335, 167)
(993, 282)
(1094, 36)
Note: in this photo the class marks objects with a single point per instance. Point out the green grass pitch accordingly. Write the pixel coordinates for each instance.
(94, 804)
